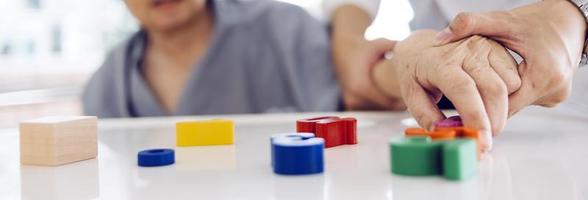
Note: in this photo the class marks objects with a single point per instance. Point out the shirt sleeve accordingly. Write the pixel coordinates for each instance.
(371, 6)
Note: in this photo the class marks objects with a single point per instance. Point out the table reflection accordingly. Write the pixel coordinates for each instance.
(78, 180)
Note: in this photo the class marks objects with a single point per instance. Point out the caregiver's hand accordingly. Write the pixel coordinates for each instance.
(549, 35)
(476, 74)
(354, 57)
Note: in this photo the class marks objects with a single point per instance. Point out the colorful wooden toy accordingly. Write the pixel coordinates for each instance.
(299, 134)
(415, 156)
(58, 140)
(447, 130)
(156, 157)
(309, 125)
(453, 121)
(450, 149)
(336, 131)
(459, 159)
(422, 156)
(464, 132)
(435, 135)
(295, 154)
(207, 132)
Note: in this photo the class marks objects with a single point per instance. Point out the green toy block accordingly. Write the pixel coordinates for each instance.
(459, 159)
(415, 156)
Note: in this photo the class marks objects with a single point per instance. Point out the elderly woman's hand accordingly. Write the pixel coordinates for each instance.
(549, 35)
(476, 74)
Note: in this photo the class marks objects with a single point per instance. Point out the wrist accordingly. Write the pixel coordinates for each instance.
(564, 19)
(574, 16)
(574, 9)
(384, 77)
(582, 6)
(344, 47)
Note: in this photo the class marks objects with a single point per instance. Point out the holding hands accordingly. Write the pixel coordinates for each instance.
(549, 35)
(468, 62)
(476, 74)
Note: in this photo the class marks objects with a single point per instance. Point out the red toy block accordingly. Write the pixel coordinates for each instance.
(336, 131)
(309, 125)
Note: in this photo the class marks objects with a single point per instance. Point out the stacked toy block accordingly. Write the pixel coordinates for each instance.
(450, 150)
(297, 154)
(58, 140)
(334, 130)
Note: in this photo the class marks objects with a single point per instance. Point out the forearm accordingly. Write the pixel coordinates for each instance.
(348, 24)
(354, 57)
(329, 7)
(350, 21)
(567, 19)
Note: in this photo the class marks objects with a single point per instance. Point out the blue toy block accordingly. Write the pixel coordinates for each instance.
(297, 154)
(302, 135)
(156, 157)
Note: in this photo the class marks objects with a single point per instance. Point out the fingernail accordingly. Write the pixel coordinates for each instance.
(443, 36)
(388, 55)
(489, 142)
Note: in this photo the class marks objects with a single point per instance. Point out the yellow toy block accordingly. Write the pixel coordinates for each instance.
(207, 132)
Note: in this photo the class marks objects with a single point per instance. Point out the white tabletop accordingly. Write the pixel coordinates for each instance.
(541, 155)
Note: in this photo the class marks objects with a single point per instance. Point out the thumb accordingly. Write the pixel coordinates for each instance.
(497, 24)
(524, 96)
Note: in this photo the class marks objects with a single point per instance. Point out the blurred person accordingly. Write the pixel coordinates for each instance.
(228, 56)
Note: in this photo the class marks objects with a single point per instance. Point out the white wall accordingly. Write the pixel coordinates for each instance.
(391, 22)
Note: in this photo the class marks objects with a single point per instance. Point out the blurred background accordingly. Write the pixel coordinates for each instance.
(49, 48)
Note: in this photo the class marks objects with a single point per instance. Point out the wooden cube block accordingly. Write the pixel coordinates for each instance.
(207, 132)
(58, 140)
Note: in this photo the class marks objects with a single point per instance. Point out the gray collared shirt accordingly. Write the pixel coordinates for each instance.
(265, 56)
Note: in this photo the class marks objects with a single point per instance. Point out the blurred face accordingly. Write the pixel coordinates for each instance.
(162, 15)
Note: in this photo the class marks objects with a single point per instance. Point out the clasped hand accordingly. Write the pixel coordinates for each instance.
(476, 74)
